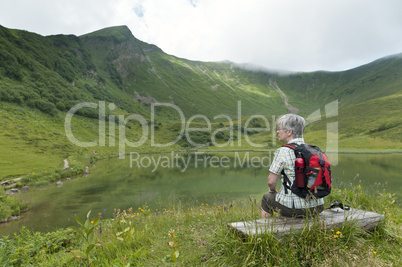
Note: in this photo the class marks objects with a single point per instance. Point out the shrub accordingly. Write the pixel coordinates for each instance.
(11, 205)
(5, 210)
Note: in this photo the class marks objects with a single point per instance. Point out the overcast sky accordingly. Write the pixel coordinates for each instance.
(294, 35)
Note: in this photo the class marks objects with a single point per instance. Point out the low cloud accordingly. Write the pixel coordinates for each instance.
(290, 35)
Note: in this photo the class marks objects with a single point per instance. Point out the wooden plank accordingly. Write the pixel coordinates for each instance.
(8, 181)
(10, 186)
(331, 218)
(4, 182)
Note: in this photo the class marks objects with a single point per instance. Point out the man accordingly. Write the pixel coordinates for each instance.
(290, 130)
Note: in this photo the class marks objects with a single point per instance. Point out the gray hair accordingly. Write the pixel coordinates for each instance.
(292, 122)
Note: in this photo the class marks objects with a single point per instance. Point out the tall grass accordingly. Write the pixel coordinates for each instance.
(199, 236)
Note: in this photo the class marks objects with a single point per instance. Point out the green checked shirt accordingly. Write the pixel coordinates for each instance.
(285, 159)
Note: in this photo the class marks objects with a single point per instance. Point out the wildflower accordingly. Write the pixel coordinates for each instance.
(375, 252)
(92, 221)
(346, 247)
(388, 213)
(338, 233)
(336, 236)
(203, 243)
(172, 233)
(205, 258)
(340, 191)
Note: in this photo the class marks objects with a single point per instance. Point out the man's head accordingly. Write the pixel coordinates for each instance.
(290, 126)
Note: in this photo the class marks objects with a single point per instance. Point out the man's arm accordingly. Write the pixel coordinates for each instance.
(272, 179)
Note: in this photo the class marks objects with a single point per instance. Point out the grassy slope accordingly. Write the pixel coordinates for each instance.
(374, 124)
(43, 77)
(374, 80)
(192, 86)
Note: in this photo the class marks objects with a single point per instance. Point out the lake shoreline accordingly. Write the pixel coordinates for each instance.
(200, 233)
(340, 151)
(63, 173)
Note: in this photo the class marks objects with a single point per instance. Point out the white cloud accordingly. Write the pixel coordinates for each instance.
(288, 34)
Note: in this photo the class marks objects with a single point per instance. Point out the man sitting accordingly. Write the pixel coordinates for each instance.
(290, 130)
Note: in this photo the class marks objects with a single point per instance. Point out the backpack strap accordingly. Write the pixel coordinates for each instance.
(286, 182)
(291, 146)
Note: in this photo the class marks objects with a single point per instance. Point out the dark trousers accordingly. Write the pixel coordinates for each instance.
(269, 204)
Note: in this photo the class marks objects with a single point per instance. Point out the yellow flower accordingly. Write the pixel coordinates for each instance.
(346, 247)
(335, 236)
(375, 252)
(388, 213)
(338, 233)
(92, 221)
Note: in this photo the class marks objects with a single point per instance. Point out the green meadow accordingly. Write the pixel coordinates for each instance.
(43, 77)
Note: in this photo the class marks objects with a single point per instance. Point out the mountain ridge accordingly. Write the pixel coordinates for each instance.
(115, 54)
(53, 73)
(43, 77)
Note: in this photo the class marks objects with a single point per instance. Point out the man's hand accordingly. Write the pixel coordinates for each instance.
(272, 179)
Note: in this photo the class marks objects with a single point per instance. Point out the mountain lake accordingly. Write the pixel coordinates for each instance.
(114, 184)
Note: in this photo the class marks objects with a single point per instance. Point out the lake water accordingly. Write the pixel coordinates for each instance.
(116, 184)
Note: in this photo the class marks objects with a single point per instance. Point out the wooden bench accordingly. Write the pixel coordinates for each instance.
(331, 218)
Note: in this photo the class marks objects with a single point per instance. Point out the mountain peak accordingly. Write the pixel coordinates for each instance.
(120, 33)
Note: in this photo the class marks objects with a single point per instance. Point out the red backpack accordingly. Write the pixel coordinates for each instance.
(316, 172)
